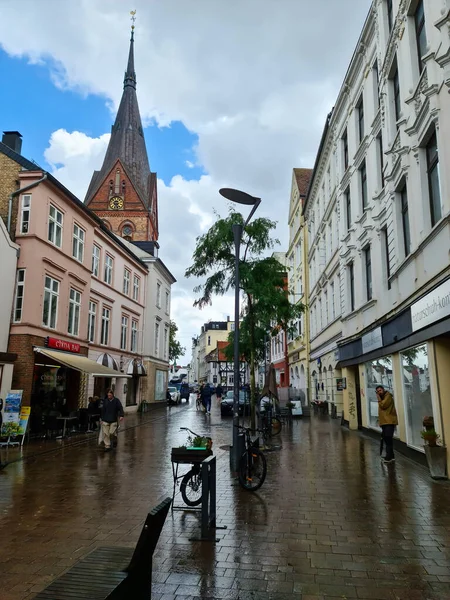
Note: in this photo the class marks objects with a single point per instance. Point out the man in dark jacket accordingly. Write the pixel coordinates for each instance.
(112, 413)
(206, 398)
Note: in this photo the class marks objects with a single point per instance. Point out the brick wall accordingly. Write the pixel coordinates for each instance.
(22, 345)
(9, 175)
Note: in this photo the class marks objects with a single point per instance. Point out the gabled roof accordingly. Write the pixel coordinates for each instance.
(127, 140)
(18, 158)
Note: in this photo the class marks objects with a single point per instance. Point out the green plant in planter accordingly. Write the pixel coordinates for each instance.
(430, 437)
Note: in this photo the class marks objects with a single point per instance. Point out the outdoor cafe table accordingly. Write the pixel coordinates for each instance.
(65, 419)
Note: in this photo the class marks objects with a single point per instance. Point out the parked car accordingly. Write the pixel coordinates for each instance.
(174, 395)
(185, 392)
(226, 406)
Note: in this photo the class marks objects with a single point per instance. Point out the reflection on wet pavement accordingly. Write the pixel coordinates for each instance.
(330, 521)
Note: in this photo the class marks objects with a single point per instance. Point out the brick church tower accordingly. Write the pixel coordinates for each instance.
(123, 193)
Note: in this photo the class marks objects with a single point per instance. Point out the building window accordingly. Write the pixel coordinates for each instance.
(158, 295)
(74, 312)
(55, 225)
(333, 302)
(381, 158)
(325, 299)
(78, 243)
(134, 335)
(378, 372)
(166, 343)
(360, 109)
(117, 183)
(124, 333)
(405, 221)
(348, 207)
(156, 339)
(363, 180)
(416, 392)
(345, 149)
(209, 340)
(433, 180)
(396, 93)
(106, 318)
(386, 255)
(351, 282)
(390, 15)
(126, 281)
(136, 288)
(50, 310)
(421, 34)
(376, 85)
(92, 317)
(127, 232)
(95, 260)
(167, 303)
(109, 262)
(368, 273)
(19, 295)
(25, 213)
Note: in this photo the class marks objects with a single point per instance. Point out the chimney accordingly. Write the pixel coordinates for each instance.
(13, 140)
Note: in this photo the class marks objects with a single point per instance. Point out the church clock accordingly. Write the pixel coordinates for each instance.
(116, 203)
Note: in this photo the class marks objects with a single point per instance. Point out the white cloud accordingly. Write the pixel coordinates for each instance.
(254, 79)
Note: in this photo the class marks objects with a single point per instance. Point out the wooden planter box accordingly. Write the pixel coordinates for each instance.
(190, 455)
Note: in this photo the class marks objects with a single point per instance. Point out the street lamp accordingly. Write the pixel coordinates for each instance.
(240, 198)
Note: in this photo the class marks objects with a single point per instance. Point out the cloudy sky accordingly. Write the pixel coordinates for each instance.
(232, 92)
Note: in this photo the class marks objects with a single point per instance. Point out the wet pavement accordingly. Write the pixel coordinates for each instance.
(330, 521)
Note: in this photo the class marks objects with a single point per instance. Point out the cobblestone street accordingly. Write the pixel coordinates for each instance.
(330, 521)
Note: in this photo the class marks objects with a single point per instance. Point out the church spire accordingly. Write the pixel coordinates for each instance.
(130, 73)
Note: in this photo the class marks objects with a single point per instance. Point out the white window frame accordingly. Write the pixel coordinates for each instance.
(106, 322)
(136, 286)
(96, 254)
(51, 294)
(19, 295)
(25, 209)
(124, 332)
(156, 340)
(167, 302)
(73, 327)
(108, 271)
(126, 281)
(166, 343)
(57, 226)
(158, 295)
(134, 335)
(78, 239)
(92, 318)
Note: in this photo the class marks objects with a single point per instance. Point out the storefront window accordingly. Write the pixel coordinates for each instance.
(378, 372)
(416, 392)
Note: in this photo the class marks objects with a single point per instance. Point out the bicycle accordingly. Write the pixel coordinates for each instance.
(191, 484)
(271, 425)
(252, 464)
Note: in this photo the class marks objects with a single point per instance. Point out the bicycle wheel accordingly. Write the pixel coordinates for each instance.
(252, 469)
(191, 488)
(276, 426)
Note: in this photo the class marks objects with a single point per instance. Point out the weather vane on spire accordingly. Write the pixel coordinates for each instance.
(133, 18)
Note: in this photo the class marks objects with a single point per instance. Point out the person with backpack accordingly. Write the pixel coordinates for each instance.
(219, 394)
(112, 413)
(388, 421)
(206, 394)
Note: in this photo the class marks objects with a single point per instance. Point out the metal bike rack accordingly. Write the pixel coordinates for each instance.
(208, 524)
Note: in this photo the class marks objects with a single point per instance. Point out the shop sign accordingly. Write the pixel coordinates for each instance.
(341, 384)
(432, 307)
(51, 342)
(372, 340)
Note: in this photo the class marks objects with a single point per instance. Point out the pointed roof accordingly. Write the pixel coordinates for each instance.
(127, 142)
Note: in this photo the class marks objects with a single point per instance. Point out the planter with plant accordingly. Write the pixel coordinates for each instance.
(436, 454)
(196, 449)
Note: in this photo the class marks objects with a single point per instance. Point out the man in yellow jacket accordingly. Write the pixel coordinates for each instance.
(387, 419)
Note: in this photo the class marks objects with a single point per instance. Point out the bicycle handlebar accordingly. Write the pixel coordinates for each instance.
(249, 428)
(193, 432)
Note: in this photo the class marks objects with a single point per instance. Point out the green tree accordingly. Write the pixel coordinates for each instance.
(175, 348)
(266, 305)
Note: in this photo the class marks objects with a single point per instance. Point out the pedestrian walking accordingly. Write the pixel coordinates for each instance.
(388, 421)
(112, 414)
(206, 398)
(219, 394)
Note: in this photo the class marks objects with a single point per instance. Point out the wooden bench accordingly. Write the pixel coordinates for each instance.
(113, 573)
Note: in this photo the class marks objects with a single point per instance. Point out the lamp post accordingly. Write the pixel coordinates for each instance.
(240, 198)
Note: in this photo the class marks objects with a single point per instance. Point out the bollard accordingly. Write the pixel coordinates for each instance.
(208, 519)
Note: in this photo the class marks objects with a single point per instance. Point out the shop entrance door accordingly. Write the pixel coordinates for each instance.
(132, 389)
(358, 398)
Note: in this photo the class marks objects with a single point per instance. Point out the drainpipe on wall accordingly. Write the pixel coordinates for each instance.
(16, 193)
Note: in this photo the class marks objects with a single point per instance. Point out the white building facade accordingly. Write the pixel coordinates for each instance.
(386, 153)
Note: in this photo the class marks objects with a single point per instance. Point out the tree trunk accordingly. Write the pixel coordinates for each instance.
(252, 365)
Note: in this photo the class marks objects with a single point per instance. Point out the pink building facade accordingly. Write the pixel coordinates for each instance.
(78, 303)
